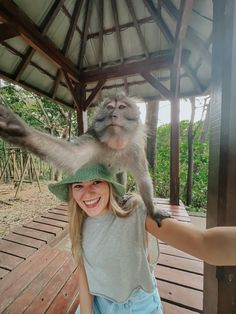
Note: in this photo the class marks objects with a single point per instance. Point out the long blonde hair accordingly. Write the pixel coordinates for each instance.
(77, 217)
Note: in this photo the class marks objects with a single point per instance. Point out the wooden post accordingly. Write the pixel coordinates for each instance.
(220, 282)
(81, 114)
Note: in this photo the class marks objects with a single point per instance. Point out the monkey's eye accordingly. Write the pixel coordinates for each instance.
(122, 106)
(110, 107)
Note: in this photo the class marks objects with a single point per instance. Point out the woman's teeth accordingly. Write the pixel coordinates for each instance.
(91, 202)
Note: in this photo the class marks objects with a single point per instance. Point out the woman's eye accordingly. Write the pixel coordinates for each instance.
(96, 182)
(77, 187)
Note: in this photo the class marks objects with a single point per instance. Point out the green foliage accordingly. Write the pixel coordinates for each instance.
(200, 166)
(37, 112)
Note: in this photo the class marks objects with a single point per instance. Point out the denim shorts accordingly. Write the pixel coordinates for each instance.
(140, 302)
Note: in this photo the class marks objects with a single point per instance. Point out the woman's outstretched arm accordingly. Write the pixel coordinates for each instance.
(216, 246)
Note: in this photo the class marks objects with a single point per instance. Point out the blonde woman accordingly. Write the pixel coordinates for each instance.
(110, 244)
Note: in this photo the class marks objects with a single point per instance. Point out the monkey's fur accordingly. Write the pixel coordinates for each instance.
(116, 138)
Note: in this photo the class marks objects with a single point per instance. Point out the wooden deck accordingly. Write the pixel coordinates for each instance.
(38, 274)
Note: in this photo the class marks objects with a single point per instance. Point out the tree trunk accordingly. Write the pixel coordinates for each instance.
(205, 126)
(151, 125)
(190, 155)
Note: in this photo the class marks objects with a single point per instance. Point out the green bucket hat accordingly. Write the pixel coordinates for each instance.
(85, 173)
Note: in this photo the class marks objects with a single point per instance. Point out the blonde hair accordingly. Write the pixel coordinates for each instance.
(77, 217)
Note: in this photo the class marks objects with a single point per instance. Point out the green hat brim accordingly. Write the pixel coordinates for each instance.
(85, 173)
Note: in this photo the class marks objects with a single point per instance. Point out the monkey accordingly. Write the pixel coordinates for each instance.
(116, 138)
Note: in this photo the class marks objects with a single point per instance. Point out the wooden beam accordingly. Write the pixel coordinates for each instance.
(120, 45)
(220, 282)
(93, 94)
(191, 34)
(10, 12)
(140, 35)
(156, 14)
(52, 13)
(132, 68)
(71, 89)
(71, 30)
(7, 32)
(8, 77)
(110, 30)
(181, 28)
(67, 14)
(126, 86)
(156, 84)
(193, 76)
(56, 84)
(88, 10)
(100, 49)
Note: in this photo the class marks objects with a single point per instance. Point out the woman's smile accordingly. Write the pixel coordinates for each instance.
(92, 202)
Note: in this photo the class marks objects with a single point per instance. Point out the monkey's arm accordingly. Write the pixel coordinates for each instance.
(215, 246)
(64, 155)
(139, 169)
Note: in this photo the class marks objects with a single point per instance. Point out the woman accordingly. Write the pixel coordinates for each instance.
(110, 245)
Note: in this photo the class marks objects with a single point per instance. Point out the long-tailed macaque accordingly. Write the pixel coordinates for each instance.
(115, 138)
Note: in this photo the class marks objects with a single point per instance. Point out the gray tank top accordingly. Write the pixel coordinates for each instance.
(115, 255)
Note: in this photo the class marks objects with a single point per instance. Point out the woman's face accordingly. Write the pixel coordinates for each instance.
(92, 196)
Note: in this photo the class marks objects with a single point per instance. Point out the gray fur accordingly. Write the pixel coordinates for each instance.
(116, 138)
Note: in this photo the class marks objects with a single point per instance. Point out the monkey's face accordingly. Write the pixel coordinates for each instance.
(117, 116)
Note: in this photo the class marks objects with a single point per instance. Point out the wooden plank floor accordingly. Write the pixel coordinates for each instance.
(38, 274)
(179, 275)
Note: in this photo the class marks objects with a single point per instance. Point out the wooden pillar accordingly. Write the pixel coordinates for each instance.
(220, 282)
(82, 124)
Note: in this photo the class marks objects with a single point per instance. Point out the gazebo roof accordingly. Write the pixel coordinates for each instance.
(52, 47)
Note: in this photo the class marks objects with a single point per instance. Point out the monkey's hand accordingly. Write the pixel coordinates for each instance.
(131, 201)
(11, 127)
(159, 215)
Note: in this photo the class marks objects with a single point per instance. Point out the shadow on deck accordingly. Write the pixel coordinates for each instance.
(38, 274)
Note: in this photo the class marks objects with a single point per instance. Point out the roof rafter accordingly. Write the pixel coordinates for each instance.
(71, 30)
(156, 84)
(88, 11)
(191, 34)
(151, 64)
(192, 75)
(126, 86)
(181, 29)
(120, 45)
(94, 93)
(52, 13)
(67, 41)
(71, 89)
(31, 88)
(140, 35)
(156, 14)
(11, 13)
(7, 32)
(100, 49)
(122, 27)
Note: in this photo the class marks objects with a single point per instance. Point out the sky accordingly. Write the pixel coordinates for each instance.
(185, 111)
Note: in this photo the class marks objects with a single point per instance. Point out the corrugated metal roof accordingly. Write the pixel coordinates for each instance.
(40, 72)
